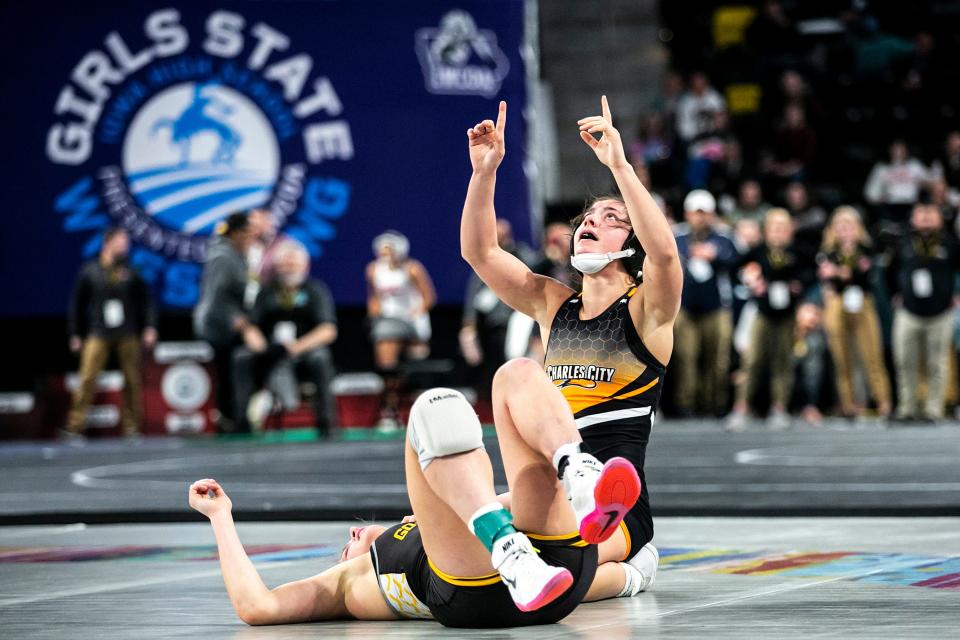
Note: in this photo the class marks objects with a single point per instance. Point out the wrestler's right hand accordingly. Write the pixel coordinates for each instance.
(486, 142)
(207, 497)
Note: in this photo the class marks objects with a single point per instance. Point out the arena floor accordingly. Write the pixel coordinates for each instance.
(693, 469)
(748, 574)
(720, 578)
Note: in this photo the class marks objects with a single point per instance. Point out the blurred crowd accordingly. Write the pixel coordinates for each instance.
(809, 156)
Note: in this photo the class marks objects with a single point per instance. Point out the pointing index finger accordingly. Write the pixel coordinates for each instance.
(606, 109)
(502, 116)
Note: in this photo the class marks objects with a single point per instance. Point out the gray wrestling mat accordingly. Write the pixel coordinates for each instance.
(719, 578)
(692, 469)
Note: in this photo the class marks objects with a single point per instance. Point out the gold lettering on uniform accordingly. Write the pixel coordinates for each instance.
(402, 532)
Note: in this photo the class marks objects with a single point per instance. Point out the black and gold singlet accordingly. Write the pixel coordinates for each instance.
(603, 369)
(612, 383)
(415, 588)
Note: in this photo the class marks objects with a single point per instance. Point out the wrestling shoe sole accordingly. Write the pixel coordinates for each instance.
(617, 490)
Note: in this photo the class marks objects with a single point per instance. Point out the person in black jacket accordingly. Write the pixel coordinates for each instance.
(110, 312)
(777, 275)
(220, 317)
(292, 324)
(921, 276)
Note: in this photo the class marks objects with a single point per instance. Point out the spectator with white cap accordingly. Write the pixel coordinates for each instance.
(400, 295)
(703, 329)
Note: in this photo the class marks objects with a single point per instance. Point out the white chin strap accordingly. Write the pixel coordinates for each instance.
(587, 263)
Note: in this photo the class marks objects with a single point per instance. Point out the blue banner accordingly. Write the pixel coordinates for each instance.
(342, 118)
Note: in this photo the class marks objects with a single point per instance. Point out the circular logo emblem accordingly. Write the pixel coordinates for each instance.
(197, 152)
(185, 386)
(166, 140)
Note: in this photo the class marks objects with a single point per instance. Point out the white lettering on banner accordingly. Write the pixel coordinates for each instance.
(121, 54)
(328, 140)
(324, 97)
(268, 40)
(168, 35)
(292, 73)
(224, 37)
(99, 72)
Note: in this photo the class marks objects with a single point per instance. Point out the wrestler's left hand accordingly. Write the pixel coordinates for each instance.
(609, 148)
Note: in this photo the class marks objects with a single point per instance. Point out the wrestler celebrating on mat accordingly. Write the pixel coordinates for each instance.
(465, 561)
(609, 342)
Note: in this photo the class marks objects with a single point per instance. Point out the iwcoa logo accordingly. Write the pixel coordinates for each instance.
(459, 59)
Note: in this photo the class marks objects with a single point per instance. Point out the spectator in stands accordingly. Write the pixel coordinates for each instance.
(777, 275)
(772, 36)
(947, 164)
(809, 363)
(808, 218)
(263, 229)
(894, 186)
(793, 148)
(220, 317)
(707, 152)
(555, 261)
(400, 295)
(750, 203)
(879, 58)
(110, 312)
(747, 234)
(697, 108)
(793, 89)
(851, 320)
(922, 79)
(921, 275)
(667, 103)
(942, 199)
(292, 325)
(704, 327)
(653, 147)
(643, 174)
(483, 333)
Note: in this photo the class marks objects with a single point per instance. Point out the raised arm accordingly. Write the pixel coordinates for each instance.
(662, 272)
(346, 590)
(506, 275)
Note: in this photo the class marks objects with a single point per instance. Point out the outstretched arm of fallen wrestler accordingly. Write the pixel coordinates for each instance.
(346, 590)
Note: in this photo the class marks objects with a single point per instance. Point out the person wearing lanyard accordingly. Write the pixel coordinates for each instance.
(777, 275)
(110, 311)
(849, 310)
(921, 275)
(704, 326)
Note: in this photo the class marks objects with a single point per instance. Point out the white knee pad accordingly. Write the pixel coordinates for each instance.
(443, 423)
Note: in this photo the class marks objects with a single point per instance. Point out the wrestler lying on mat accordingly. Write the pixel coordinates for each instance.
(466, 561)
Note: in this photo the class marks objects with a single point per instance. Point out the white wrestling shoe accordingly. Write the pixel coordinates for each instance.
(259, 407)
(601, 495)
(641, 571)
(532, 583)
